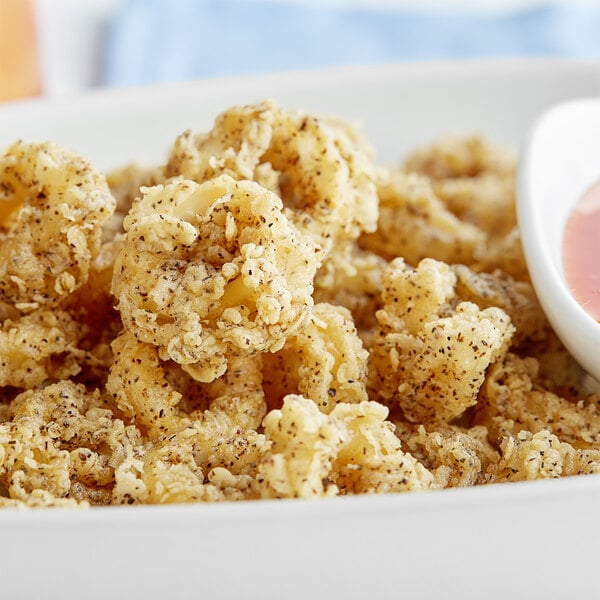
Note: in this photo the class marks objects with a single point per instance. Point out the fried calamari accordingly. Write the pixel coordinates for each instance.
(269, 314)
(52, 208)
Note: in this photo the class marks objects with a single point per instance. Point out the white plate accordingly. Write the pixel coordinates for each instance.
(534, 540)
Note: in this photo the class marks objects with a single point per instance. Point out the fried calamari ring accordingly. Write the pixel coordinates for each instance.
(457, 457)
(209, 454)
(52, 208)
(37, 347)
(213, 269)
(475, 180)
(139, 388)
(325, 362)
(124, 184)
(351, 277)
(144, 391)
(511, 399)
(415, 224)
(429, 356)
(529, 456)
(64, 440)
(352, 450)
(319, 166)
(476, 183)
(460, 157)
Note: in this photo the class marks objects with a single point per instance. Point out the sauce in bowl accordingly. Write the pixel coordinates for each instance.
(581, 251)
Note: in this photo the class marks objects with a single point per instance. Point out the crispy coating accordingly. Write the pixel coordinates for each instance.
(486, 200)
(38, 347)
(510, 401)
(503, 253)
(351, 277)
(457, 457)
(476, 183)
(239, 393)
(208, 454)
(212, 459)
(454, 157)
(326, 362)
(541, 455)
(415, 224)
(211, 269)
(352, 450)
(125, 183)
(371, 460)
(53, 206)
(64, 441)
(92, 307)
(319, 166)
(516, 298)
(428, 357)
(42, 499)
(143, 391)
(140, 389)
(474, 180)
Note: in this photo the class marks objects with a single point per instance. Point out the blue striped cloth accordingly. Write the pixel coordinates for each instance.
(153, 41)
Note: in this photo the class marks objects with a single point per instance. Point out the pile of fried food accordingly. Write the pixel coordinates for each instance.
(271, 315)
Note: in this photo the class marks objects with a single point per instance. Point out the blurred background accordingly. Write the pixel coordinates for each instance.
(56, 47)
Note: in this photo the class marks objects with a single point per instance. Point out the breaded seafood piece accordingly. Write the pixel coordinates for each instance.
(125, 184)
(63, 440)
(238, 392)
(430, 355)
(325, 362)
(234, 146)
(486, 200)
(371, 460)
(53, 205)
(351, 277)
(503, 253)
(319, 166)
(180, 469)
(457, 457)
(92, 308)
(453, 157)
(38, 347)
(541, 455)
(139, 389)
(516, 298)
(415, 224)
(212, 459)
(143, 390)
(208, 454)
(42, 499)
(511, 401)
(476, 182)
(352, 450)
(212, 269)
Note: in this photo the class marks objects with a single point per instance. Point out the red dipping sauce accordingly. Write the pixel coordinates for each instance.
(581, 251)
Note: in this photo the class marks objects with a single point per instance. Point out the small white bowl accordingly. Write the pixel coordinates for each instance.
(560, 160)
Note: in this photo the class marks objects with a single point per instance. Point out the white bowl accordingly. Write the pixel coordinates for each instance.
(560, 161)
(534, 540)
